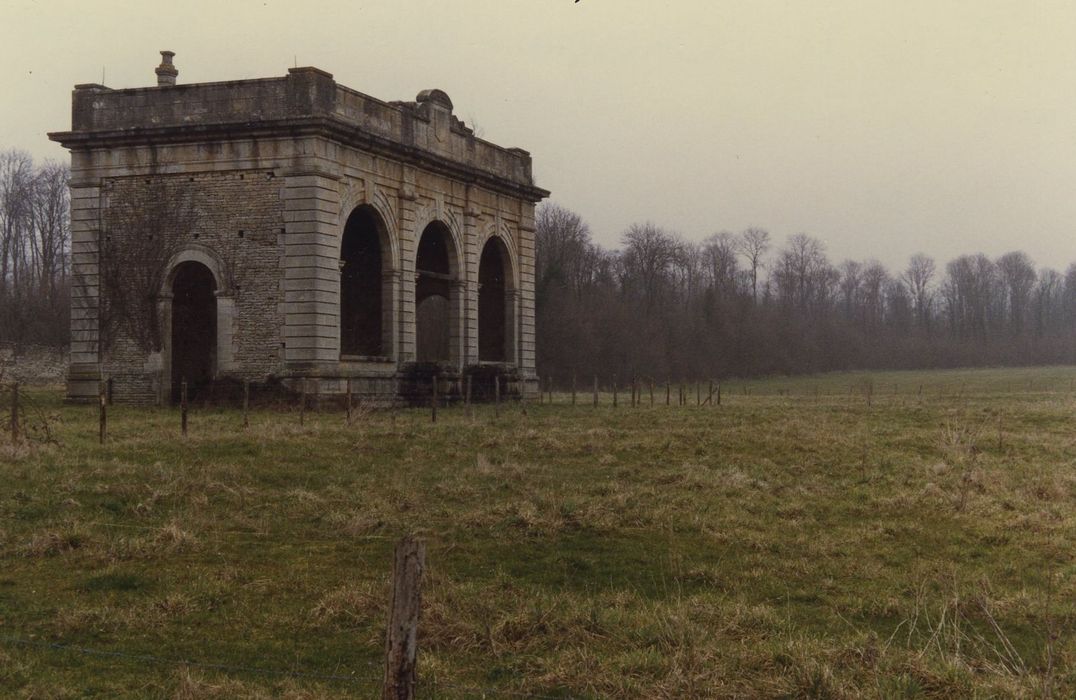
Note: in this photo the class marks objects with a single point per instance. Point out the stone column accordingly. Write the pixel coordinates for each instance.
(457, 331)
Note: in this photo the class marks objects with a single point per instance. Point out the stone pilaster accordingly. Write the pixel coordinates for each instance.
(311, 274)
(526, 300)
(406, 283)
(472, 247)
(84, 372)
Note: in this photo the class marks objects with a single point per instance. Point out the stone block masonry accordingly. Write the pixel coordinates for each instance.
(291, 228)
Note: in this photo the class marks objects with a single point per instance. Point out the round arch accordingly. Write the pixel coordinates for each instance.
(439, 274)
(215, 309)
(390, 239)
(367, 289)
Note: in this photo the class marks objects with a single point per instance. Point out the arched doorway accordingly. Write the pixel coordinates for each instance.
(194, 328)
(493, 304)
(435, 290)
(362, 286)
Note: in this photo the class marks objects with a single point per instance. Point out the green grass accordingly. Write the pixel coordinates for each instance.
(793, 542)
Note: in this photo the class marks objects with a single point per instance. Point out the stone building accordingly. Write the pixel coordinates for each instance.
(291, 228)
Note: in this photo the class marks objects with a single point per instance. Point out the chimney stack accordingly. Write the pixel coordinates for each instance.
(166, 72)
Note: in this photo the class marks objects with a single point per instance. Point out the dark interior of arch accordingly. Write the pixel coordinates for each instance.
(194, 328)
(360, 284)
(433, 291)
(492, 302)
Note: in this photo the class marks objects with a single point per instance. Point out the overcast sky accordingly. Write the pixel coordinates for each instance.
(882, 128)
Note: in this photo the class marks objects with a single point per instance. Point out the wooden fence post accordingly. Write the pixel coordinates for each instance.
(719, 393)
(497, 396)
(668, 393)
(246, 403)
(347, 409)
(614, 391)
(595, 391)
(467, 396)
(317, 395)
(573, 388)
(183, 406)
(651, 393)
(302, 402)
(401, 638)
(102, 428)
(698, 394)
(433, 399)
(14, 413)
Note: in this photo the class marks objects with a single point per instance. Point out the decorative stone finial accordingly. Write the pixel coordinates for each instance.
(166, 72)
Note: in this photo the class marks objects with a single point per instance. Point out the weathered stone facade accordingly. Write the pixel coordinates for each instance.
(300, 192)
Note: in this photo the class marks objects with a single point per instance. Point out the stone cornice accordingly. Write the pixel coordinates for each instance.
(318, 126)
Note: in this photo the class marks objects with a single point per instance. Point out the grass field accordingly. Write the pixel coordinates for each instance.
(792, 542)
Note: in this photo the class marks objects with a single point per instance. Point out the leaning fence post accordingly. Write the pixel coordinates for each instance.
(15, 412)
(401, 638)
(246, 403)
(183, 406)
(102, 428)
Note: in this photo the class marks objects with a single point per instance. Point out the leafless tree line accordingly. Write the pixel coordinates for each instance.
(739, 305)
(35, 236)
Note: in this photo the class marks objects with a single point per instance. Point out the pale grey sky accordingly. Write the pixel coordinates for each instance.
(882, 128)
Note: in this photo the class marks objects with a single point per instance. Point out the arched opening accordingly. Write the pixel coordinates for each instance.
(493, 305)
(434, 294)
(194, 328)
(361, 285)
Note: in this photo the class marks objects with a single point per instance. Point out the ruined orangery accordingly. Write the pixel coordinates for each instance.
(288, 230)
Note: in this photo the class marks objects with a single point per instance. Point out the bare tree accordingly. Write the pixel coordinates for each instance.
(1018, 277)
(918, 277)
(753, 244)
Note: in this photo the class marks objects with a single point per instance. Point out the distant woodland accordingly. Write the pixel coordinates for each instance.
(35, 251)
(661, 307)
(742, 304)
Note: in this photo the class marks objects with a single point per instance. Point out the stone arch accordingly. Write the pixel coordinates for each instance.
(195, 252)
(195, 311)
(497, 309)
(357, 196)
(367, 289)
(439, 272)
(437, 211)
(500, 230)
